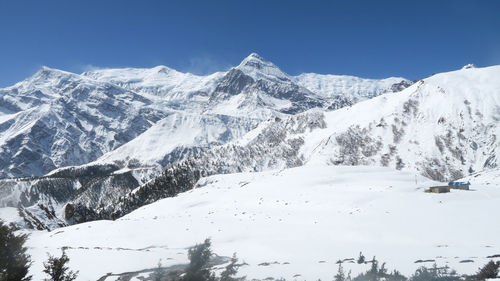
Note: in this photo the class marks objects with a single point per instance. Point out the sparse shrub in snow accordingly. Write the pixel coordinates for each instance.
(355, 145)
(410, 107)
(397, 133)
(399, 163)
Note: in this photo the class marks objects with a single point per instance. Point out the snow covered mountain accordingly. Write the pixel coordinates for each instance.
(166, 86)
(95, 191)
(119, 127)
(408, 130)
(258, 87)
(187, 133)
(445, 127)
(343, 90)
(56, 119)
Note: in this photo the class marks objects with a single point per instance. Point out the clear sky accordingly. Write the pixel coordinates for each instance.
(373, 39)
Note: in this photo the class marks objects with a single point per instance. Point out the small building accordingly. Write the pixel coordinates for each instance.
(438, 189)
(459, 185)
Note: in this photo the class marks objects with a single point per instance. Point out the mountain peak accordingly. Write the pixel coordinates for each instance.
(161, 69)
(259, 68)
(47, 74)
(254, 56)
(254, 60)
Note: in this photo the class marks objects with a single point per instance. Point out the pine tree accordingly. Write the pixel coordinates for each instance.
(373, 273)
(348, 278)
(361, 258)
(490, 270)
(434, 274)
(395, 276)
(382, 271)
(340, 276)
(198, 268)
(57, 269)
(158, 273)
(14, 262)
(230, 271)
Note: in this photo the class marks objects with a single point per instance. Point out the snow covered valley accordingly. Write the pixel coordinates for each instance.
(294, 223)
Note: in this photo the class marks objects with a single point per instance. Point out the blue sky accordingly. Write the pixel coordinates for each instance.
(372, 39)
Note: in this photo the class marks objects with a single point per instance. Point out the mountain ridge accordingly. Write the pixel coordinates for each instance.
(159, 141)
(89, 100)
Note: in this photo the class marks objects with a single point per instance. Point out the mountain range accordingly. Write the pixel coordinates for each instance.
(56, 119)
(98, 145)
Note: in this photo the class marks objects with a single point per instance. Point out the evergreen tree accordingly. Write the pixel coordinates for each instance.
(57, 269)
(372, 274)
(340, 276)
(490, 270)
(382, 272)
(230, 271)
(423, 274)
(198, 268)
(395, 276)
(379, 273)
(361, 258)
(348, 278)
(14, 262)
(435, 274)
(158, 273)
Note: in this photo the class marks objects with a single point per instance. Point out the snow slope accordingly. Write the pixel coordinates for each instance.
(181, 133)
(328, 85)
(294, 223)
(178, 90)
(444, 127)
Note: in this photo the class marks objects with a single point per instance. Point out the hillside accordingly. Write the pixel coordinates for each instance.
(294, 223)
(444, 127)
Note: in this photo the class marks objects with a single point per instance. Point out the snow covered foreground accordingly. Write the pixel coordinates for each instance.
(300, 221)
